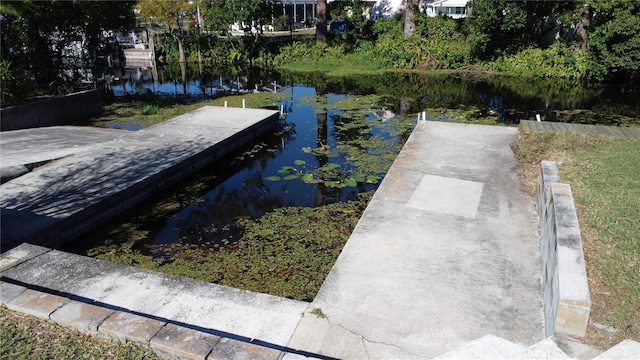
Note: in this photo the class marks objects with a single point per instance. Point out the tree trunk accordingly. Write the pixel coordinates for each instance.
(583, 26)
(181, 50)
(322, 36)
(409, 17)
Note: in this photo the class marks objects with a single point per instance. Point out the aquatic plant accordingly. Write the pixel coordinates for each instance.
(287, 252)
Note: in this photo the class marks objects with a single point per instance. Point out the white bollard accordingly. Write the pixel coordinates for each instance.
(225, 103)
(538, 117)
(243, 103)
(424, 116)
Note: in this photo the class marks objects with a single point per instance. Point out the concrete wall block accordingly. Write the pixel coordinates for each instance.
(81, 316)
(60, 110)
(20, 254)
(9, 291)
(176, 342)
(572, 318)
(548, 175)
(126, 326)
(566, 295)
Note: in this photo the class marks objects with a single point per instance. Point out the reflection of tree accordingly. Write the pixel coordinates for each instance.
(225, 205)
(321, 140)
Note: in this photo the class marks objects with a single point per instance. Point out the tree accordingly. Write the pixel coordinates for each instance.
(50, 42)
(251, 15)
(614, 39)
(411, 7)
(496, 26)
(171, 13)
(322, 36)
(583, 26)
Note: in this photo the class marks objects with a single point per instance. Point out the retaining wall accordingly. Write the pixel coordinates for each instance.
(62, 110)
(567, 302)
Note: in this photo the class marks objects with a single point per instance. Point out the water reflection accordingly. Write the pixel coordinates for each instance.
(509, 100)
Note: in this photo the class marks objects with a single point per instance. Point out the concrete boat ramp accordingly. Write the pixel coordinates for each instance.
(446, 253)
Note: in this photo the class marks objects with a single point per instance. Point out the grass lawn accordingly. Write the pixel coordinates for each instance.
(604, 174)
(27, 337)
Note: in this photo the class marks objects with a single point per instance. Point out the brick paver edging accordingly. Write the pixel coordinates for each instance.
(167, 338)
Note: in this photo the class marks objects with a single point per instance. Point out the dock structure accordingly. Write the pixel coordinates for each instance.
(528, 127)
(445, 262)
(56, 202)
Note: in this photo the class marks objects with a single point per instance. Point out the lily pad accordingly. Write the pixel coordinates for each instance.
(272, 178)
(329, 167)
(286, 170)
(290, 177)
(334, 184)
(351, 182)
(300, 162)
(309, 179)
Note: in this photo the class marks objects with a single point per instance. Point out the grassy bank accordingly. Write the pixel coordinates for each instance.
(27, 337)
(603, 174)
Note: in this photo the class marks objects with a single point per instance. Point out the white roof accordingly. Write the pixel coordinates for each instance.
(449, 3)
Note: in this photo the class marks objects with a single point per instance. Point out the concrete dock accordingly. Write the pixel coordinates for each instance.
(445, 262)
(446, 252)
(98, 174)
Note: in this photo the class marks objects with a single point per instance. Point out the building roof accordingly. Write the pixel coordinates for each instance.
(449, 3)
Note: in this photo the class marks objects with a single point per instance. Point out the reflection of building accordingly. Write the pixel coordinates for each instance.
(455, 9)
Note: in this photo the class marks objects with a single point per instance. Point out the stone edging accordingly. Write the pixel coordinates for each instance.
(567, 302)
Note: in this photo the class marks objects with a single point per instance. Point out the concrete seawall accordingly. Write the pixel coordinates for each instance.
(57, 202)
(567, 302)
(61, 110)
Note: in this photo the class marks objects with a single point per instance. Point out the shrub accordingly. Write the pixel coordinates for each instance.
(14, 87)
(558, 61)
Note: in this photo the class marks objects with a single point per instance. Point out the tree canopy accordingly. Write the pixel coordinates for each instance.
(48, 42)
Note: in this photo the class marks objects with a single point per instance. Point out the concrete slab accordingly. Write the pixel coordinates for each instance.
(84, 317)
(9, 291)
(58, 201)
(487, 347)
(180, 300)
(126, 326)
(32, 146)
(17, 256)
(229, 349)
(176, 341)
(447, 196)
(627, 349)
(422, 276)
(545, 349)
(36, 303)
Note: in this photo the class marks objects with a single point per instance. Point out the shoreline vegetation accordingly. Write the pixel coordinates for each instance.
(590, 42)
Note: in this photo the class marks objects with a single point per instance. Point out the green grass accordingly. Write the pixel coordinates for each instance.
(604, 174)
(27, 337)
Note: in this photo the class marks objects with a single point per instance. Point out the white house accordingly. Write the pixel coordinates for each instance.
(455, 9)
